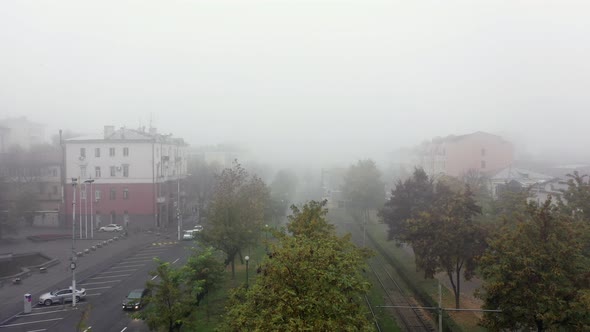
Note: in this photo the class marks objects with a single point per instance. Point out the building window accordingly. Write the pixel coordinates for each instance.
(54, 172)
(97, 171)
(112, 152)
(483, 152)
(126, 171)
(113, 194)
(83, 152)
(97, 152)
(113, 217)
(83, 172)
(97, 195)
(483, 164)
(54, 189)
(125, 193)
(113, 169)
(125, 152)
(83, 195)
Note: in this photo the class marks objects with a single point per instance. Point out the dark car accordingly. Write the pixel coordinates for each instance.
(135, 299)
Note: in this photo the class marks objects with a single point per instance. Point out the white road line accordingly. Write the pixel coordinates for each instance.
(154, 277)
(99, 287)
(137, 265)
(41, 313)
(97, 283)
(33, 322)
(94, 294)
(88, 329)
(175, 260)
(126, 270)
(125, 328)
(115, 276)
(138, 259)
(37, 330)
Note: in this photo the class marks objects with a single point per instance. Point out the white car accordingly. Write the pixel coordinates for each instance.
(188, 235)
(61, 295)
(111, 228)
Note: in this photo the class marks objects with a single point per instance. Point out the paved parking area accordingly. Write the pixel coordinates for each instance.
(43, 316)
(12, 296)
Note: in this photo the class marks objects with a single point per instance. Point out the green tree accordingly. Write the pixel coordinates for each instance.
(363, 188)
(445, 237)
(577, 196)
(203, 273)
(535, 272)
(312, 281)
(168, 304)
(237, 213)
(408, 199)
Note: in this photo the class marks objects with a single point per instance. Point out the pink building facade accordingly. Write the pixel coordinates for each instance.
(458, 155)
(128, 177)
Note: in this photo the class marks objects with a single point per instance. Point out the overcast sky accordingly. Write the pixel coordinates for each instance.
(302, 79)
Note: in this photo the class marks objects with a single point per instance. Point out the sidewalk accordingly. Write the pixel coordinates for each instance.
(60, 275)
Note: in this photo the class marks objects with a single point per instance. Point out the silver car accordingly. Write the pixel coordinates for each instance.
(111, 228)
(61, 296)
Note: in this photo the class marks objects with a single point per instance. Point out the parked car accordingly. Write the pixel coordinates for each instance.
(198, 228)
(136, 299)
(188, 234)
(111, 228)
(61, 296)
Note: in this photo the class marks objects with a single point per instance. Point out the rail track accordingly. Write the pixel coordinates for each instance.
(407, 313)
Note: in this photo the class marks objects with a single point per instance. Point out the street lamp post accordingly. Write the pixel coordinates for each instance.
(247, 258)
(91, 181)
(73, 264)
(266, 236)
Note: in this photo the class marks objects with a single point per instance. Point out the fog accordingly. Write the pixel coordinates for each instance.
(304, 82)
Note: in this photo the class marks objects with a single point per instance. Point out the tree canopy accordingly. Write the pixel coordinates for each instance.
(408, 199)
(236, 213)
(577, 196)
(536, 273)
(312, 281)
(363, 186)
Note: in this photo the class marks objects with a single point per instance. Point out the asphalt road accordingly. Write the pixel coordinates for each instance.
(105, 290)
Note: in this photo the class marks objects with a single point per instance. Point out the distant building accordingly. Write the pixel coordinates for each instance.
(221, 155)
(458, 155)
(332, 181)
(37, 173)
(137, 176)
(511, 178)
(20, 132)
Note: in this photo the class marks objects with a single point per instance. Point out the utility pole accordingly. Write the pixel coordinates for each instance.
(73, 264)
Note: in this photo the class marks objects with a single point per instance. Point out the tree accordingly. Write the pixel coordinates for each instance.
(408, 199)
(202, 273)
(237, 212)
(536, 273)
(167, 304)
(363, 188)
(312, 281)
(201, 185)
(577, 196)
(445, 238)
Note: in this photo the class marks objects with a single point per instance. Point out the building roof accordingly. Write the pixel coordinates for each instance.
(455, 138)
(127, 134)
(521, 175)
